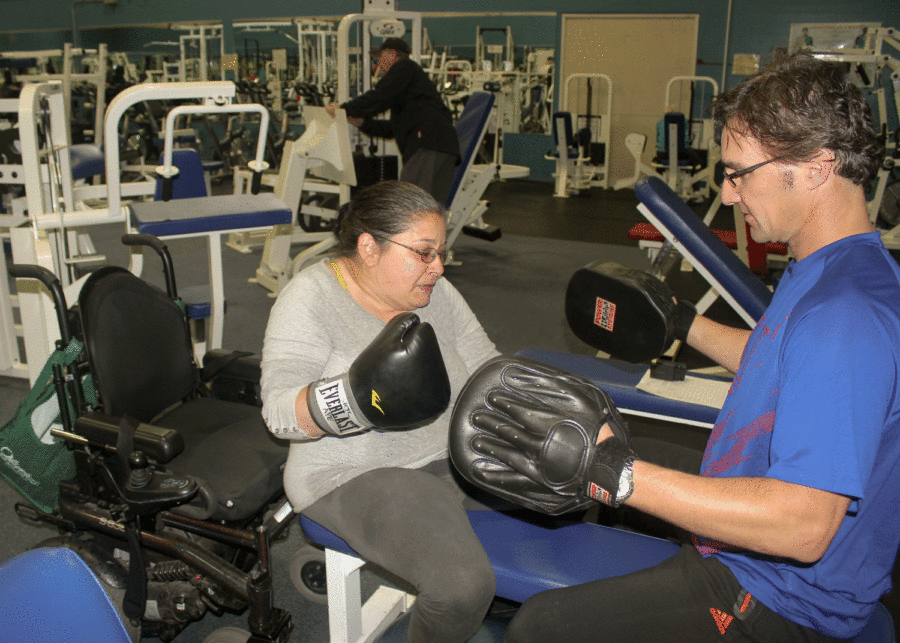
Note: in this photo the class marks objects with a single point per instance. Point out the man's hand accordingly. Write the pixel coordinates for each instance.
(332, 109)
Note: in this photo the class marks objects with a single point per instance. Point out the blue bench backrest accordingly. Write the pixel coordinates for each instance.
(470, 129)
(698, 239)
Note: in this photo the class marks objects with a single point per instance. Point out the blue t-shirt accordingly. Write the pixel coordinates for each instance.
(815, 402)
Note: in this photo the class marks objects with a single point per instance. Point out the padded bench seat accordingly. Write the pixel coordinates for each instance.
(209, 214)
(87, 160)
(644, 231)
(529, 558)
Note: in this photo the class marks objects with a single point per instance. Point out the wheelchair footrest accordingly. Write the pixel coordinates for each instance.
(488, 232)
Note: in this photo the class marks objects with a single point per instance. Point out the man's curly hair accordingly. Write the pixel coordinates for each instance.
(799, 105)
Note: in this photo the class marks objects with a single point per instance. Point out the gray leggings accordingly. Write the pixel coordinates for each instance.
(413, 524)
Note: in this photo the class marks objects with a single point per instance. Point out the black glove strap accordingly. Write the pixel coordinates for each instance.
(602, 480)
(685, 312)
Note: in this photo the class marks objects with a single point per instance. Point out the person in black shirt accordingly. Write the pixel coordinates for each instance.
(420, 122)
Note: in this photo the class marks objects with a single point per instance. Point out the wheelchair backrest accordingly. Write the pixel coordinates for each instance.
(138, 344)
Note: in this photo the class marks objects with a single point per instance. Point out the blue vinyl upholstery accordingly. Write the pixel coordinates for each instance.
(50, 594)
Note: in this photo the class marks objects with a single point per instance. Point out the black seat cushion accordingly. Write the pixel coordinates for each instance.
(229, 447)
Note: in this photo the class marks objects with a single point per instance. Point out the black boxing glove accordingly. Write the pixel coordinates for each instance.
(527, 432)
(397, 382)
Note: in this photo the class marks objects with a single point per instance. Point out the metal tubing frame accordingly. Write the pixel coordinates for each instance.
(343, 43)
(215, 92)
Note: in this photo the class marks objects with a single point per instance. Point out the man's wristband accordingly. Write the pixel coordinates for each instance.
(685, 313)
(626, 483)
(611, 466)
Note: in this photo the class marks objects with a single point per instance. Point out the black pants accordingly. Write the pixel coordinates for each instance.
(432, 171)
(686, 598)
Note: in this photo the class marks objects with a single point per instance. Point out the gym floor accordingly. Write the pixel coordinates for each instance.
(514, 285)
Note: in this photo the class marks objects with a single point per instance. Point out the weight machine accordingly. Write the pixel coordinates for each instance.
(689, 154)
(872, 56)
(582, 138)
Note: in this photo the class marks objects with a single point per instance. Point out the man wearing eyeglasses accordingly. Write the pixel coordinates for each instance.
(420, 122)
(794, 511)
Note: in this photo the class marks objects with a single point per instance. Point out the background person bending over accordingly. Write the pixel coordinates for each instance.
(420, 121)
(390, 494)
(795, 508)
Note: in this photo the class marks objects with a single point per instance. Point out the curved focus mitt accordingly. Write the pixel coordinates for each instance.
(527, 432)
(625, 312)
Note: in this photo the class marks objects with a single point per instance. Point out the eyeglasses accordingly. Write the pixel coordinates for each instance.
(736, 175)
(427, 256)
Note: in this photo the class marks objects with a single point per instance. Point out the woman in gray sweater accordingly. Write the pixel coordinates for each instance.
(391, 495)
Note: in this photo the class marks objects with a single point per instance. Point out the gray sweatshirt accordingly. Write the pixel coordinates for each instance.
(316, 329)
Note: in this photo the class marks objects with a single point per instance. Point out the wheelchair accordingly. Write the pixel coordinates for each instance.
(177, 493)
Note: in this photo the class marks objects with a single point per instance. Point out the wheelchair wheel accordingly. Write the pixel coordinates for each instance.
(109, 572)
(228, 635)
(307, 570)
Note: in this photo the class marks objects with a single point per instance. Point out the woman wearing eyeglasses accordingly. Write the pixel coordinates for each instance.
(340, 348)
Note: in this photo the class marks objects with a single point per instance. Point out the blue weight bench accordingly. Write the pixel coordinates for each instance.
(86, 161)
(470, 130)
(722, 268)
(527, 558)
(50, 594)
(464, 203)
(212, 217)
(620, 380)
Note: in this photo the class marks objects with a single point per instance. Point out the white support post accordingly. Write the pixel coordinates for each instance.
(349, 620)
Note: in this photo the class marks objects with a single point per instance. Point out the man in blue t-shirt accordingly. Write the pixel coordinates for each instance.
(795, 510)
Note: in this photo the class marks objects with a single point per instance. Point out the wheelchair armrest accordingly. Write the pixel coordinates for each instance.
(233, 376)
(157, 443)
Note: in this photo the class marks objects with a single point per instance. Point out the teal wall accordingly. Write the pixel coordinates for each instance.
(756, 25)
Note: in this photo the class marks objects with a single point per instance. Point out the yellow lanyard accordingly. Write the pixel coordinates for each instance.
(340, 277)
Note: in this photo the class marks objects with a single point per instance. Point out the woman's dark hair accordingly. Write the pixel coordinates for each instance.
(799, 105)
(384, 210)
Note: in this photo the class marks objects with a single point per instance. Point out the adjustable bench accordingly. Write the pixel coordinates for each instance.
(464, 202)
(728, 277)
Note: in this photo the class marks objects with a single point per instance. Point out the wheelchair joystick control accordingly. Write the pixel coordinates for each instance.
(148, 492)
(140, 472)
